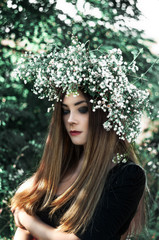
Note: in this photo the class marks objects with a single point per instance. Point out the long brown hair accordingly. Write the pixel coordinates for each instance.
(61, 156)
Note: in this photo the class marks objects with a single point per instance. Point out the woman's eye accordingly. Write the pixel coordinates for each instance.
(64, 111)
(83, 109)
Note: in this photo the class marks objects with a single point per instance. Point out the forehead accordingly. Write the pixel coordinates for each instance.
(72, 99)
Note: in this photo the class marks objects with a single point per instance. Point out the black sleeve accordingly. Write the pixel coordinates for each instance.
(117, 205)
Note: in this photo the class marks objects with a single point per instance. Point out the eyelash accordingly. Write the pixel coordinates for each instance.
(82, 110)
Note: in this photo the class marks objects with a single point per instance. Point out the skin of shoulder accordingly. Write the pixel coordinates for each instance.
(26, 184)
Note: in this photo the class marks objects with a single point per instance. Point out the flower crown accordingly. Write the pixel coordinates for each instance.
(103, 76)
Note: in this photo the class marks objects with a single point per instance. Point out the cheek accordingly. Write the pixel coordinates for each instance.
(65, 121)
(86, 123)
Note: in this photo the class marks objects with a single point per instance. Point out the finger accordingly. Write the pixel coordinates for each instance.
(13, 210)
(17, 220)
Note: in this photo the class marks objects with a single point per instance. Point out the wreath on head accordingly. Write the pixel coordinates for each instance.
(103, 76)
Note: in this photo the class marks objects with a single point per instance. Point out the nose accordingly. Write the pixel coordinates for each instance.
(72, 118)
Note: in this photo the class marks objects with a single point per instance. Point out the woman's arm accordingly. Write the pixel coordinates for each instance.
(22, 234)
(39, 229)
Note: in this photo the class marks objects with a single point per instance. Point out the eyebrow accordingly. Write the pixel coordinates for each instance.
(77, 103)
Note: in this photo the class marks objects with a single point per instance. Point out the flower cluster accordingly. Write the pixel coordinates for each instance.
(103, 76)
(120, 158)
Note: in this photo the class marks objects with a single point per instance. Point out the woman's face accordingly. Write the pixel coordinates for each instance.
(76, 118)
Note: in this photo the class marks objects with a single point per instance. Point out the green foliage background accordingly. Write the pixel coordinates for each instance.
(30, 26)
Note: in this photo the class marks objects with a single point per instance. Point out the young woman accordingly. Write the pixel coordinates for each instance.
(88, 185)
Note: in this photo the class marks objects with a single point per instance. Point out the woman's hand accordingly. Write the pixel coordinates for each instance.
(39, 229)
(22, 234)
(17, 213)
(22, 219)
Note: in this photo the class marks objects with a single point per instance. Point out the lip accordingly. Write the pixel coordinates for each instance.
(75, 133)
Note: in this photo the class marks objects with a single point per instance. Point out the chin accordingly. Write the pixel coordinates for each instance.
(78, 142)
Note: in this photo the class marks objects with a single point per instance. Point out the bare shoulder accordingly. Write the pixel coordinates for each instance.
(28, 183)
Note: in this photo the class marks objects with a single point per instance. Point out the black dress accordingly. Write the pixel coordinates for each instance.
(122, 192)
